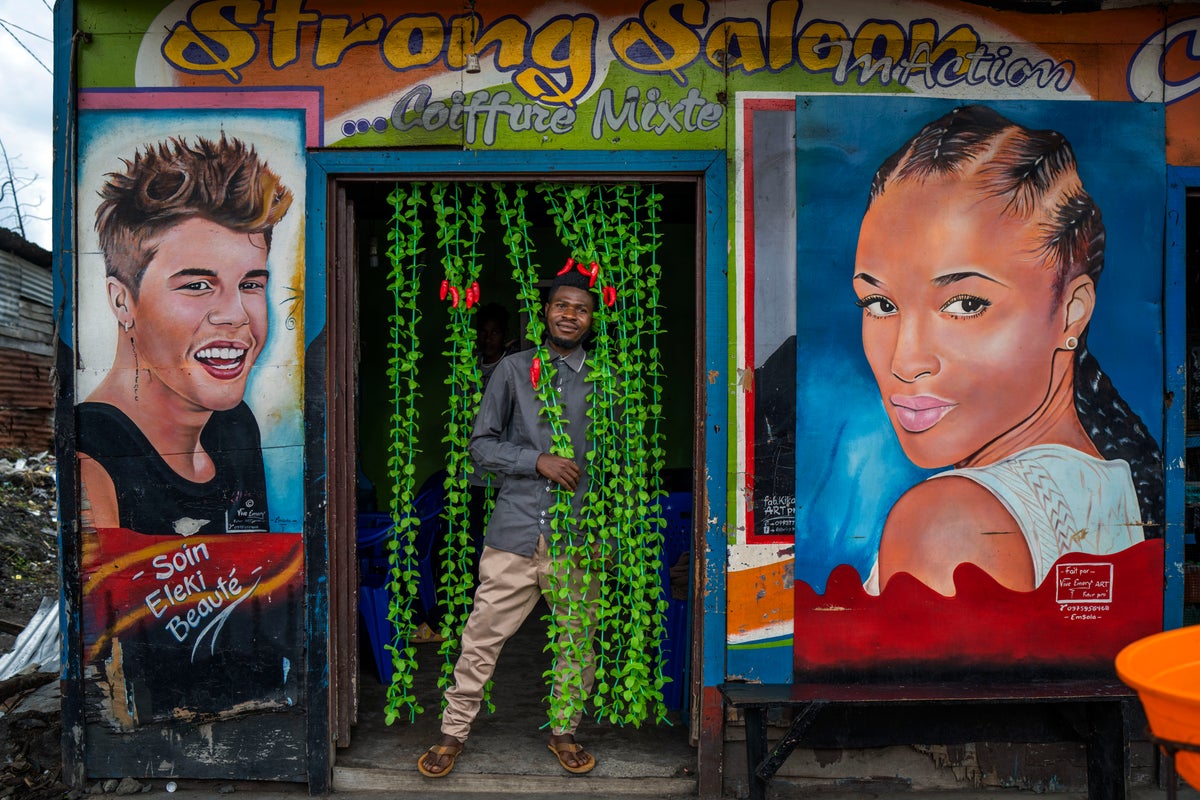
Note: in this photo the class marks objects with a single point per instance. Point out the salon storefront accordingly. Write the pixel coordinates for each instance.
(845, 252)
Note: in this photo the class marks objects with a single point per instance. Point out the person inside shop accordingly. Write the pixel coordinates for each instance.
(167, 444)
(491, 326)
(512, 438)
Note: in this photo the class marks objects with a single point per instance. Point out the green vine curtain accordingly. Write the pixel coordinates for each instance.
(611, 232)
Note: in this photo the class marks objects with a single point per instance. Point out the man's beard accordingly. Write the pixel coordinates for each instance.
(564, 344)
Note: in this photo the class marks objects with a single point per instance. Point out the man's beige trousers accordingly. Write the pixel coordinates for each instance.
(509, 587)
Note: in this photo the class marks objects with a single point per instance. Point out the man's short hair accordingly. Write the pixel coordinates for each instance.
(165, 184)
(574, 279)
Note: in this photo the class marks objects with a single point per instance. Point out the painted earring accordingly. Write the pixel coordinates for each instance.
(127, 325)
(1072, 342)
(136, 370)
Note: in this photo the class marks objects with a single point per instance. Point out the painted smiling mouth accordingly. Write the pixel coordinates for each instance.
(917, 414)
(222, 358)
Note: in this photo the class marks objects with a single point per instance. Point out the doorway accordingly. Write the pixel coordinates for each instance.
(360, 228)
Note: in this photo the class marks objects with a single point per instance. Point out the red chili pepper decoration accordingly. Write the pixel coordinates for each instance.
(445, 288)
(454, 297)
(570, 264)
(610, 296)
(475, 290)
(471, 293)
(592, 273)
(535, 371)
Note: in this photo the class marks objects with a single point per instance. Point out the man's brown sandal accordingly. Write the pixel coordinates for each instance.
(439, 750)
(562, 749)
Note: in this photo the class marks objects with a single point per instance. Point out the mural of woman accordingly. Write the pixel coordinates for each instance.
(166, 442)
(976, 270)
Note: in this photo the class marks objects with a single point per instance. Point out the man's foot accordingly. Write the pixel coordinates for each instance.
(437, 761)
(572, 756)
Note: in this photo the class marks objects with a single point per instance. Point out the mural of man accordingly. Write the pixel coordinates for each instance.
(167, 443)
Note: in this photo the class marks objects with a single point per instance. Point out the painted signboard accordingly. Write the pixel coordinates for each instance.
(807, 503)
(978, 346)
(189, 428)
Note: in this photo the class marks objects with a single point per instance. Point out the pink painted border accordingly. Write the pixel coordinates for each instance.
(310, 100)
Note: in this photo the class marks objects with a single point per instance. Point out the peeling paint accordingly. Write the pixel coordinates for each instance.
(117, 697)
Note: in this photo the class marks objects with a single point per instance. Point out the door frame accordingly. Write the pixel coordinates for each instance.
(330, 169)
(1180, 182)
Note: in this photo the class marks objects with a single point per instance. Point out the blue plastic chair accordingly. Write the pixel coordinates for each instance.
(374, 533)
(676, 642)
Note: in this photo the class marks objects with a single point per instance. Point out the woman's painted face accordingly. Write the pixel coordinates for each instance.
(200, 318)
(959, 322)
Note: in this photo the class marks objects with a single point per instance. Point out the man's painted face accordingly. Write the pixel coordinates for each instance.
(200, 317)
(960, 322)
(569, 317)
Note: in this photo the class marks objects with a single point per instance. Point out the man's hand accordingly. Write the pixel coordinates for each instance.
(563, 471)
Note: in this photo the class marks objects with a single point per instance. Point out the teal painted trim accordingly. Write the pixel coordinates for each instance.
(316, 229)
(717, 349)
(70, 616)
(552, 165)
(563, 165)
(1179, 181)
(63, 180)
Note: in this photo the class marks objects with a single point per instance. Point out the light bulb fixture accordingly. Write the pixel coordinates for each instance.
(472, 56)
(373, 253)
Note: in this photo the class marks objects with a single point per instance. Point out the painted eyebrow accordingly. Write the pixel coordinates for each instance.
(955, 277)
(871, 279)
(199, 272)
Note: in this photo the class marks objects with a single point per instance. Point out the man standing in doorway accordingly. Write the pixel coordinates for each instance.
(513, 439)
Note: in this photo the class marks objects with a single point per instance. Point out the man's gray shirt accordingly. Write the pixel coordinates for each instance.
(510, 433)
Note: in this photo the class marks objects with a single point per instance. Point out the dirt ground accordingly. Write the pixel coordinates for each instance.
(30, 753)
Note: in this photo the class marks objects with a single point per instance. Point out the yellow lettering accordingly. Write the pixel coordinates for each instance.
(508, 37)
(742, 43)
(427, 32)
(576, 37)
(462, 32)
(338, 34)
(871, 32)
(212, 42)
(814, 55)
(285, 22)
(672, 43)
(782, 16)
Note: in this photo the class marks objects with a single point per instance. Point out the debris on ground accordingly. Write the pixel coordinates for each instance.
(30, 720)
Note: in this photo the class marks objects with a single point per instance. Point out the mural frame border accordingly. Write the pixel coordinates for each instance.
(1179, 181)
(713, 311)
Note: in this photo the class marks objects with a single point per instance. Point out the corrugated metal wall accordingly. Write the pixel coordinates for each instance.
(26, 355)
(26, 401)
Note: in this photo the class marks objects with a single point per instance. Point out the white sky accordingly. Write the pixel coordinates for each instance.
(26, 115)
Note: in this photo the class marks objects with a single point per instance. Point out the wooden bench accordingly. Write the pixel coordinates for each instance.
(1099, 712)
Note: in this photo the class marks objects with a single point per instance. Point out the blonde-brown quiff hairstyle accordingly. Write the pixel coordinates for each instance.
(165, 184)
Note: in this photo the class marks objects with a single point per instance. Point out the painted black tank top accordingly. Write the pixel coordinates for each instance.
(152, 498)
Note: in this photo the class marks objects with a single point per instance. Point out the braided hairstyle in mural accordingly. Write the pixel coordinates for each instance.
(974, 188)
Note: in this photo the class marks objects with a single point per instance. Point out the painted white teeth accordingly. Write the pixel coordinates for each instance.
(223, 353)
